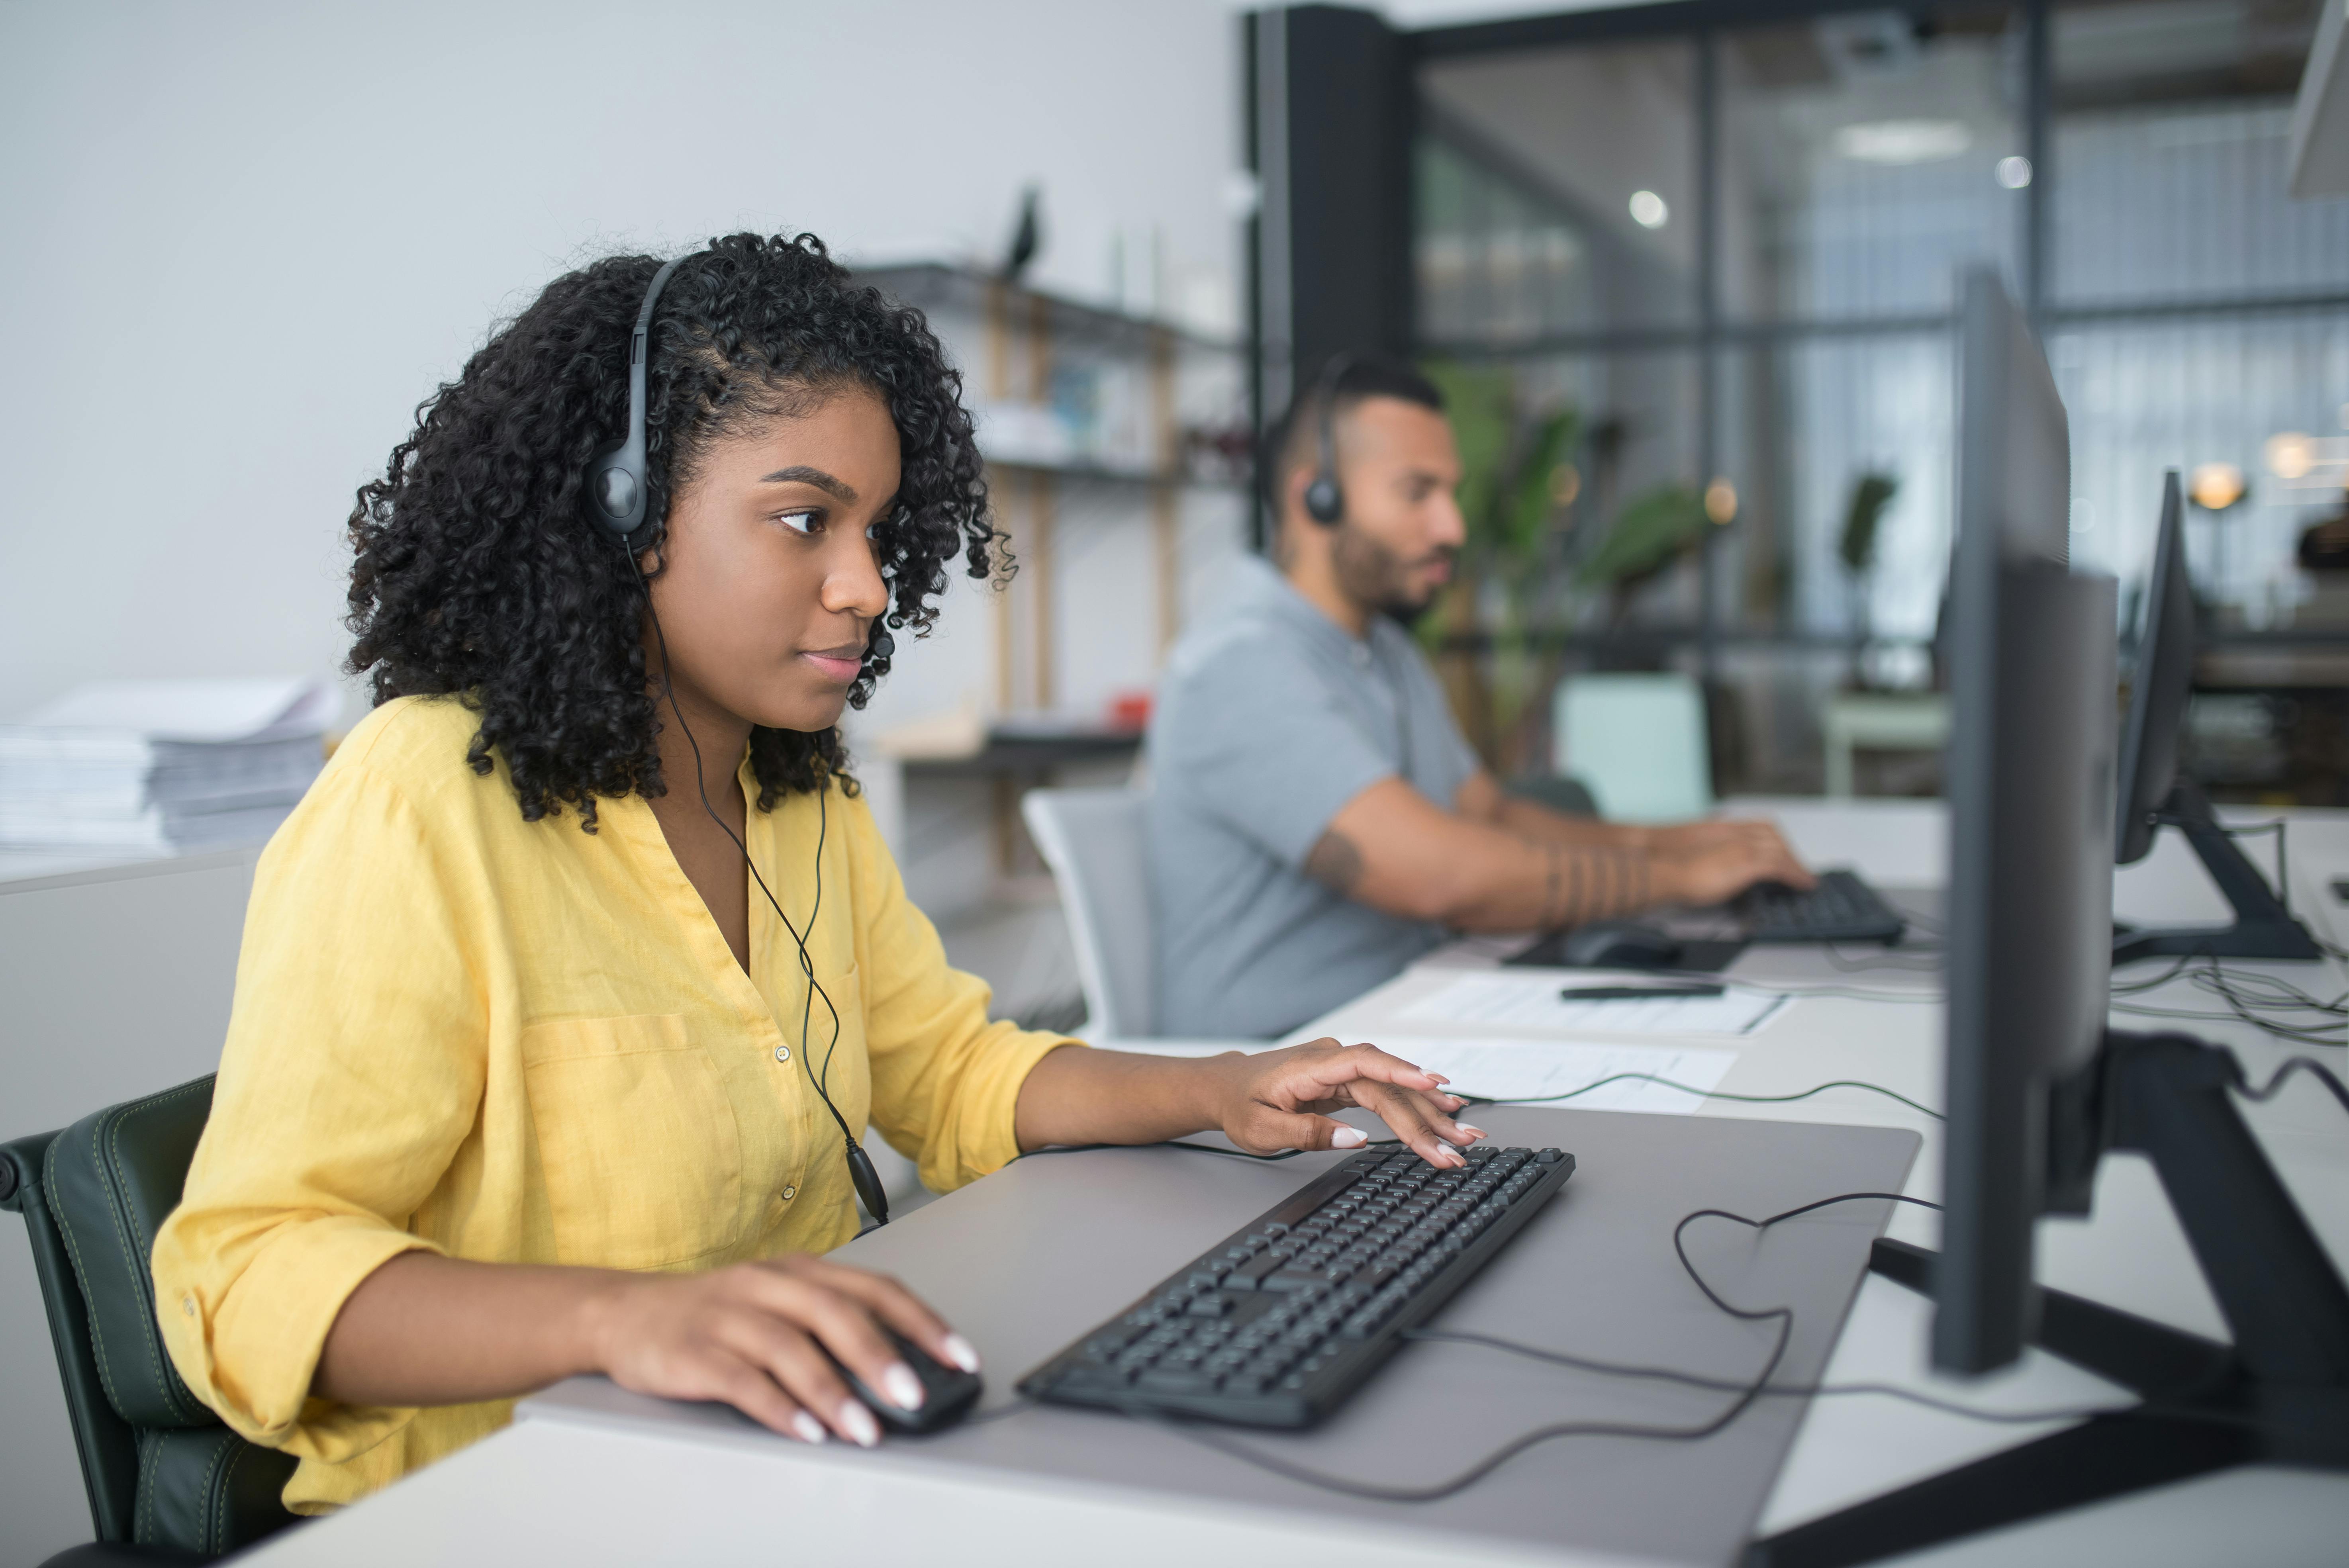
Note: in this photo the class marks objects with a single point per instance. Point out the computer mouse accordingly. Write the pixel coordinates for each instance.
(948, 1392)
(1618, 945)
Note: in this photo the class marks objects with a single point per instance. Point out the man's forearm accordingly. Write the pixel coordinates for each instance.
(1551, 884)
(1392, 849)
(1530, 820)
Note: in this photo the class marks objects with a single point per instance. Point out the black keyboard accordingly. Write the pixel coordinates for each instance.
(1842, 908)
(1278, 1324)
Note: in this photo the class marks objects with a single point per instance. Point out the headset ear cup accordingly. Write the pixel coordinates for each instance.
(1324, 503)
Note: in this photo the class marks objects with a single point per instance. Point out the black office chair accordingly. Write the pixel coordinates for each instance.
(167, 1482)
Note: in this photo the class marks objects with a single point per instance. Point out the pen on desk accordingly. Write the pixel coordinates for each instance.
(1636, 993)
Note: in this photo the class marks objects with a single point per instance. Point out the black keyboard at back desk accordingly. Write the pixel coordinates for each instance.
(1842, 908)
(1276, 1325)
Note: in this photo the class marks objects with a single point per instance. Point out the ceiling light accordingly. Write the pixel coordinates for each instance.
(2291, 455)
(2215, 487)
(2014, 173)
(1903, 140)
(1647, 209)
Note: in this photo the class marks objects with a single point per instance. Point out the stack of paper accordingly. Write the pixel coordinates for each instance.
(162, 764)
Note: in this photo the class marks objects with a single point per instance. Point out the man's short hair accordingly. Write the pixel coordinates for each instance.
(1294, 440)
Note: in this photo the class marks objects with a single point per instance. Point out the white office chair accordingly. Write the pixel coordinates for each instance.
(1638, 742)
(1093, 841)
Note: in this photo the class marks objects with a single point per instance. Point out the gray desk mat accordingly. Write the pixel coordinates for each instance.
(1030, 1258)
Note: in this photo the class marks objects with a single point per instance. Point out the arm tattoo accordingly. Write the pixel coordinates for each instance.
(1335, 863)
(1601, 881)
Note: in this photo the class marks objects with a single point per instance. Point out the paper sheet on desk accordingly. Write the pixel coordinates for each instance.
(1532, 1001)
(1488, 1068)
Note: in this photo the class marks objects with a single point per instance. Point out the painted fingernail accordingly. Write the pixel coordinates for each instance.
(808, 1430)
(962, 1353)
(905, 1389)
(1348, 1138)
(857, 1422)
(1472, 1131)
(1439, 1078)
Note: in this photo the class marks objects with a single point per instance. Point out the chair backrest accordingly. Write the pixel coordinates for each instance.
(1638, 742)
(160, 1468)
(1094, 840)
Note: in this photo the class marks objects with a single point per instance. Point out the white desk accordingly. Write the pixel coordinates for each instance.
(548, 1490)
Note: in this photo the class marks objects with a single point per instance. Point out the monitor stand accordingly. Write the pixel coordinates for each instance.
(2279, 1395)
(2264, 924)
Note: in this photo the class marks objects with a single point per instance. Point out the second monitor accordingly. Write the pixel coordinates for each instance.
(2153, 793)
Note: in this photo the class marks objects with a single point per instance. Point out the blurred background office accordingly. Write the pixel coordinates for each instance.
(1684, 270)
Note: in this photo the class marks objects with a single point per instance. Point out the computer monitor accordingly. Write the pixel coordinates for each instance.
(2031, 668)
(2038, 1090)
(2158, 691)
(2154, 790)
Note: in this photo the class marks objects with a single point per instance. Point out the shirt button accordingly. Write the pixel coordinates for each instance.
(782, 1053)
(188, 1304)
(789, 1194)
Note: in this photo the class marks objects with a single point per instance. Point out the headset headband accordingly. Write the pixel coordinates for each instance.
(1325, 502)
(615, 495)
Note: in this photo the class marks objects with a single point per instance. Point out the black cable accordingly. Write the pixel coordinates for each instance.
(1724, 1385)
(853, 1153)
(1204, 1149)
(2245, 1003)
(1704, 1093)
(1928, 959)
(2274, 1086)
(1021, 1406)
(1845, 993)
(1748, 1393)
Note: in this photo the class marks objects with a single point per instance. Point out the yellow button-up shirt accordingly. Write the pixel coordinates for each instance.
(519, 1042)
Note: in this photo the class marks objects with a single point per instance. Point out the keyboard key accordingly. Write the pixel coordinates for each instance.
(1251, 1274)
(1550, 1156)
(1175, 1380)
(1082, 1379)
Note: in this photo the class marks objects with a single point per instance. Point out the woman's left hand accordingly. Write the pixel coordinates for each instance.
(1282, 1099)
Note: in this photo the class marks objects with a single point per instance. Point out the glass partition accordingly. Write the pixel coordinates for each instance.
(1729, 250)
(1865, 155)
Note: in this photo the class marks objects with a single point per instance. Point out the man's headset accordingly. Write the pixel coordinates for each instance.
(616, 499)
(1325, 502)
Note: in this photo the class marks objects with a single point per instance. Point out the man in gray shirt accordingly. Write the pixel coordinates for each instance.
(1316, 819)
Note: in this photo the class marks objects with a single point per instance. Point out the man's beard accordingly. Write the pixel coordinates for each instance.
(1377, 579)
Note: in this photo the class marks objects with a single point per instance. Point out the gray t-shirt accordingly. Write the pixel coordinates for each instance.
(1270, 718)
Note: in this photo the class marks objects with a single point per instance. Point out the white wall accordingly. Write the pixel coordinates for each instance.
(245, 238)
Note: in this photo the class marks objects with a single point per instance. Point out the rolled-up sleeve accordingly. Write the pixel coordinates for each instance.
(351, 1076)
(946, 1080)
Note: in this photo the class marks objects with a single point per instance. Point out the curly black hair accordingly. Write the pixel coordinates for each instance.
(477, 575)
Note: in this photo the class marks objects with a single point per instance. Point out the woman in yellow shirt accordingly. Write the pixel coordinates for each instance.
(524, 1077)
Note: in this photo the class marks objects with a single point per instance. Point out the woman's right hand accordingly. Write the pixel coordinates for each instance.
(754, 1336)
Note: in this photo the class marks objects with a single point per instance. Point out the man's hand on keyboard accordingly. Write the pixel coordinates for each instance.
(1282, 1099)
(1713, 862)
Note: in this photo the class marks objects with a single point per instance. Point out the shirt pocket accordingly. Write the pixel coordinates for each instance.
(636, 1141)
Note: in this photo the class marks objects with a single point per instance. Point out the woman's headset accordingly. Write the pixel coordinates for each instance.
(617, 501)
